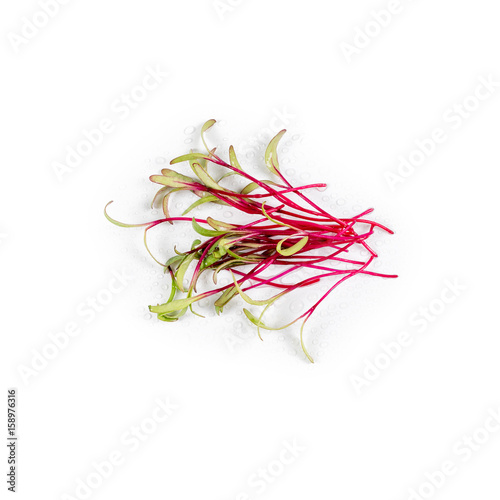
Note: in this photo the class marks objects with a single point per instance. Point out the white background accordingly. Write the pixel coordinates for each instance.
(239, 398)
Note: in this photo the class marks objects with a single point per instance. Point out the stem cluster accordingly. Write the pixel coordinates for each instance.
(289, 232)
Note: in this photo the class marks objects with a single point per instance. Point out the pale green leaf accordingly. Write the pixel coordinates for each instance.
(187, 157)
(271, 155)
(233, 160)
(205, 232)
(181, 270)
(294, 248)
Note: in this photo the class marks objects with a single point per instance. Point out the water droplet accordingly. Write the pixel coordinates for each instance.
(189, 130)
(228, 214)
(161, 160)
(250, 154)
(188, 140)
(296, 137)
(340, 201)
(290, 171)
(148, 316)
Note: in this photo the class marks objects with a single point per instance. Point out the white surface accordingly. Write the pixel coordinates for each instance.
(236, 406)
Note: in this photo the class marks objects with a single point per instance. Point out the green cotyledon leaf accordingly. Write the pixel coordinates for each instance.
(181, 270)
(271, 155)
(204, 199)
(219, 225)
(226, 296)
(188, 157)
(233, 160)
(208, 124)
(205, 177)
(159, 193)
(293, 249)
(175, 305)
(174, 181)
(205, 232)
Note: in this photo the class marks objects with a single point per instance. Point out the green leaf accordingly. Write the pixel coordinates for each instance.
(276, 221)
(174, 260)
(172, 316)
(178, 181)
(158, 194)
(219, 225)
(233, 160)
(205, 232)
(204, 199)
(226, 296)
(187, 157)
(181, 270)
(253, 319)
(205, 177)
(271, 155)
(293, 249)
(206, 126)
(165, 203)
(175, 305)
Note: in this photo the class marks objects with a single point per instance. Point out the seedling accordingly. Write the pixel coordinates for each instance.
(289, 232)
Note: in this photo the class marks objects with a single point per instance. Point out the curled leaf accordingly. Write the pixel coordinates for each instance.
(233, 160)
(293, 249)
(204, 128)
(205, 232)
(158, 194)
(219, 225)
(271, 155)
(203, 199)
(181, 271)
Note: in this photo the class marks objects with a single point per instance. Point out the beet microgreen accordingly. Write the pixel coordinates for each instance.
(288, 233)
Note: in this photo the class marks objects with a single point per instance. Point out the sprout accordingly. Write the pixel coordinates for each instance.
(289, 232)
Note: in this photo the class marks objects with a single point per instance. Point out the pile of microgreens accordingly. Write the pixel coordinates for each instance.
(289, 233)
